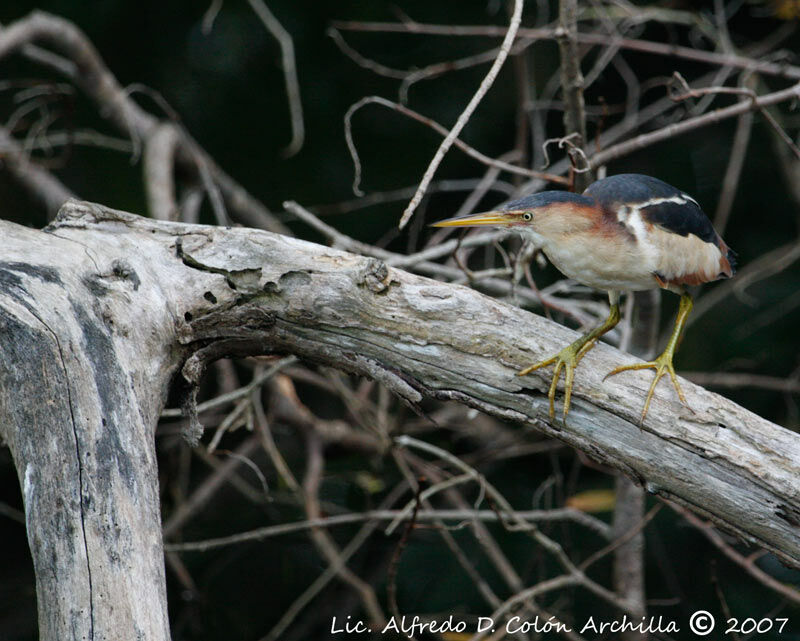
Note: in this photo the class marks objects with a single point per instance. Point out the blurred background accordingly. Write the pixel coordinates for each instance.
(215, 69)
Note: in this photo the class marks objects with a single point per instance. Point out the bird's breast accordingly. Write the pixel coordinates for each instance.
(603, 262)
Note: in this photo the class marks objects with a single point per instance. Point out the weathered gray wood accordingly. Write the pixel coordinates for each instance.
(87, 347)
(99, 311)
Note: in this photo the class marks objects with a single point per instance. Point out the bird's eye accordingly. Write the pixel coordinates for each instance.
(527, 216)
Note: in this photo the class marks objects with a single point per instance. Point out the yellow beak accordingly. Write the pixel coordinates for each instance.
(475, 220)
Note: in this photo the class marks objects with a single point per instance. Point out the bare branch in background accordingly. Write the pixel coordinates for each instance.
(411, 77)
(572, 87)
(473, 153)
(50, 191)
(741, 139)
(784, 70)
(114, 103)
(786, 591)
(744, 380)
(210, 16)
(289, 72)
(677, 129)
(505, 47)
(159, 163)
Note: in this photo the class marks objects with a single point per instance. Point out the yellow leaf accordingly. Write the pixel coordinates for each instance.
(786, 9)
(370, 483)
(593, 501)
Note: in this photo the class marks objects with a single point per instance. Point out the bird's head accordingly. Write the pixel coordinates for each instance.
(545, 215)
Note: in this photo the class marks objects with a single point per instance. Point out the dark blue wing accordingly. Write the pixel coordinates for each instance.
(659, 203)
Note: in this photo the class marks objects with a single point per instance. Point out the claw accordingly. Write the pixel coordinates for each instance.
(569, 357)
(662, 365)
(566, 359)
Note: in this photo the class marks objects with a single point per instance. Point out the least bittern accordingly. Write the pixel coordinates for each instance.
(624, 233)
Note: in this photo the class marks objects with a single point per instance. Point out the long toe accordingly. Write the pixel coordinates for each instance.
(538, 365)
(662, 365)
(676, 385)
(565, 360)
(660, 371)
(636, 366)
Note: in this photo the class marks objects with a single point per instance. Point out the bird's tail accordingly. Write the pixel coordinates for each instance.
(732, 257)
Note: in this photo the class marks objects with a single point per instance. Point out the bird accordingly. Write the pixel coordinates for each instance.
(624, 233)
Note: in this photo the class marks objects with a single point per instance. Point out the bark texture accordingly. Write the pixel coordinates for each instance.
(100, 311)
(82, 381)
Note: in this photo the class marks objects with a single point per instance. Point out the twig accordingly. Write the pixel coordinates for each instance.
(445, 249)
(505, 508)
(322, 540)
(556, 583)
(206, 490)
(233, 417)
(622, 539)
(742, 91)
(677, 129)
(363, 61)
(330, 572)
(85, 137)
(252, 465)
(784, 70)
(84, 66)
(212, 189)
(404, 193)
(410, 77)
(484, 538)
(210, 16)
(741, 139)
(48, 189)
(642, 117)
(412, 507)
(394, 562)
(159, 183)
(467, 149)
(224, 399)
(431, 71)
(268, 443)
(743, 380)
(9, 512)
(286, 408)
(465, 115)
(289, 74)
(572, 85)
(485, 184)
(707, 530)
(481, 533)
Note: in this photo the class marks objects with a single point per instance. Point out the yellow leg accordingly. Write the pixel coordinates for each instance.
(568, 358)
(663, 364)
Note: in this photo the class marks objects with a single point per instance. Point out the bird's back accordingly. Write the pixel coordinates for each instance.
(668, 225)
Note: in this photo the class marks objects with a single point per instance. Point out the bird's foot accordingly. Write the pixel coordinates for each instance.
(662, 365)
(567, 359)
